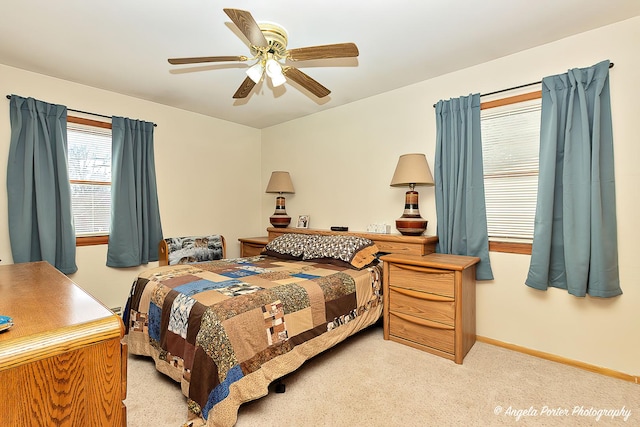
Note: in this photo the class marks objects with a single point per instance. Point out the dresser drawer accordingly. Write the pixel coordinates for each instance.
(423, 305)
(421, 331)
(423, 279)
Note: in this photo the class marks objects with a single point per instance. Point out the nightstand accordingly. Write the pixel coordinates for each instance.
(252, 246)
(430, 303)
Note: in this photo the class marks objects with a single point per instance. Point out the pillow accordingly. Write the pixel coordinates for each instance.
(184, 250)
(289, 246)
(352, 251)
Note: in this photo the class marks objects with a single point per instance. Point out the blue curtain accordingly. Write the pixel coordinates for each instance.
(135, 215)
(459, 179)
(575, 244)
(39, 194)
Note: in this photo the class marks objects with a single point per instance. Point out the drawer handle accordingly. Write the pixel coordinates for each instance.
(420, 269)
(422, 295)
(422, 322)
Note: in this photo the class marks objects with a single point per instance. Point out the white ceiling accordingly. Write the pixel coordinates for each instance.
(123, 45)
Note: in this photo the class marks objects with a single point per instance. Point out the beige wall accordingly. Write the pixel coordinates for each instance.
(208, 173)
(341, 162)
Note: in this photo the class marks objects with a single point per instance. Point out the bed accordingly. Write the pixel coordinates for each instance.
(226, 329)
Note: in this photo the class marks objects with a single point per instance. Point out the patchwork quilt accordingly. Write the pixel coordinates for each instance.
(226, 329)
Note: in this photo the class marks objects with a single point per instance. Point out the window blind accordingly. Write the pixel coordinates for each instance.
(89, 157)
(510, 141)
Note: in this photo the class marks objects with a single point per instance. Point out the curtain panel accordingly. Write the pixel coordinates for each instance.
(575, 243)
(38, 189)
(459, 182)
(136, 230)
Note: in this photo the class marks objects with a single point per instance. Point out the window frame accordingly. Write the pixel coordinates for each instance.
(511, 247)
(97, 239)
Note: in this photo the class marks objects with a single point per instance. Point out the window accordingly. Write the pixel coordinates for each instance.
(510, 148)
(89, 157)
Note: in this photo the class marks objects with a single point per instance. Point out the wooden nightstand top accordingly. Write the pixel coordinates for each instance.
(261, 240)
(443, 261)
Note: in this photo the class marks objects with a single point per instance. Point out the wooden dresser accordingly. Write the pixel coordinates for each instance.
(62, 363)
(430, 302)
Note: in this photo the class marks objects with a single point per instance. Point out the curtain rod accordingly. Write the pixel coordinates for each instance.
(86, 112)
(517, 87)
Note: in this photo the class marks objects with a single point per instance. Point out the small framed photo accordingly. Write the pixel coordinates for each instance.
(303, 221)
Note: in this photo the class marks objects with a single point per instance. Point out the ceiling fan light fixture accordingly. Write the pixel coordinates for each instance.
(255, 72)
(278, 80)
(274, 71)
(268, 46)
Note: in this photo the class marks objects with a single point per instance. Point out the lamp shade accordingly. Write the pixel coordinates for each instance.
(274, 71)
(278, 80)
(412, 169)
(280, 182)
(255, 72)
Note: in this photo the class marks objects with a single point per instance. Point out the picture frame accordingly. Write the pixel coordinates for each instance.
(303, 221)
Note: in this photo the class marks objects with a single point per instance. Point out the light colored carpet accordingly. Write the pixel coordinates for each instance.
(367, 381)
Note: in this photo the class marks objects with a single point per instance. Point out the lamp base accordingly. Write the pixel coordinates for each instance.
(409, 226)
(411, 223)
(280, 221)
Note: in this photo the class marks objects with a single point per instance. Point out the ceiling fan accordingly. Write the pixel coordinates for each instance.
(268, 45)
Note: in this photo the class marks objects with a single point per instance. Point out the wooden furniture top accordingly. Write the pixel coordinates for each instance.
(260, 240)
(51, 314)
(441, 261)
(388, 243)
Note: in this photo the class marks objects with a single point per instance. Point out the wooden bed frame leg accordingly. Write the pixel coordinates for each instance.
(280, 387)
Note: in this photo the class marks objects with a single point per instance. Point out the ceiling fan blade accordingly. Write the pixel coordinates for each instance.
(339, 50)
(244, 89)
(248, 26)
(196, 60)
(306, 82)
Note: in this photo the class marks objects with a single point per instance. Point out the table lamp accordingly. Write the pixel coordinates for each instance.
(280, 182)
(412, 170)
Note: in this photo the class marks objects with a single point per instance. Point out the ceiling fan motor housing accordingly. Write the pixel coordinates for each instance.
(277, 38)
